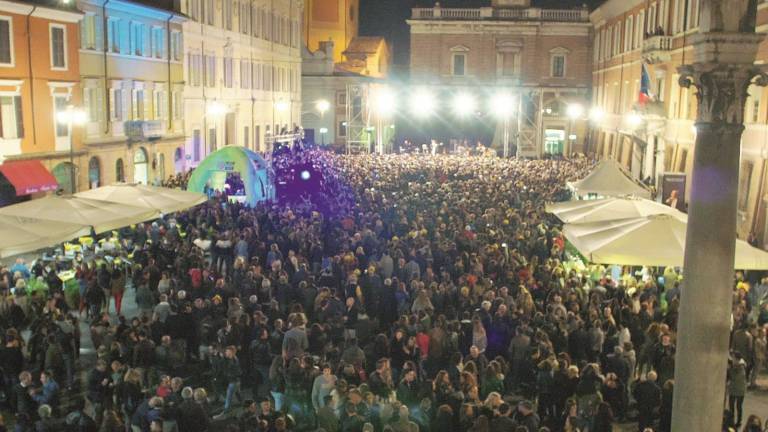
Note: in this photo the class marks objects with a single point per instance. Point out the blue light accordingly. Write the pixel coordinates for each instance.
(305, 175)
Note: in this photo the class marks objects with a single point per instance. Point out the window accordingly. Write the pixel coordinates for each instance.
(60, 105)
(178, 105)
(745, 179)
(193, 9)
(91, 102)
(628, 33)
(212, 139)
(88, 32)
(245, 74)
(137, 39)
(137, 104)
(341, 98)
(6, 42)
(210, 12)
(245, 17)
(558, 66)
(459, 64)
(195, 68)
(158, 42)
(113, 26)
(58, 47)
(196, 144)
(119, 170)
(617, 39)
(11, 119)
(246, 136)
(226, 11)
(228, 72)
(210, 71)
(176, 48)
(508, 62)
(342, 129)
(159, 105)
(755, 94)
(116, 104)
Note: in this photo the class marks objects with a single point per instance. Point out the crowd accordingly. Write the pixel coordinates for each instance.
(443, 299)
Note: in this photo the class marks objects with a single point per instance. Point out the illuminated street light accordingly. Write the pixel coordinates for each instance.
(634, 119)
(574, 110)
(322, 106)
(281, 105)
(464, 104)
(502, 105)
(422, 103)
(72, 116)
(596, 114)
(216, 109)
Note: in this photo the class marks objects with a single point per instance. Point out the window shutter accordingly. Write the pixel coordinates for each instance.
(98, 29)
(19, 117)
(87, 103)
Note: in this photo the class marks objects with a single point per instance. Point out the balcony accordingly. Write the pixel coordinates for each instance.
(492, 14)
(144, 130)
(657, 49)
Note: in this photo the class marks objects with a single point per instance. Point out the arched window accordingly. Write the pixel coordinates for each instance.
(140, 166)
(119, 170)
(94, 173)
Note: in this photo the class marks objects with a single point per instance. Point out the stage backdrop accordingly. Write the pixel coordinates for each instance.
(253, 169)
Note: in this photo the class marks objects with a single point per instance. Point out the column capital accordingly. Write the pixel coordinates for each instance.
(721, 89)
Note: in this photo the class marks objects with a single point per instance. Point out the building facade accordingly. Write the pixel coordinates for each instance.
(34, 88)
(540, 57)
(242, 73)
(132, 83)
(655, 139)
(330, 20)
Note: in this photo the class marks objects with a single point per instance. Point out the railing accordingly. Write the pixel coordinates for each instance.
(140, 130)
(657, 43)
(513, 14)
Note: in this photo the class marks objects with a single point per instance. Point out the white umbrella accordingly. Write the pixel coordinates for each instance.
(609, 179)
(584, 211)
(101, 215)
(20, 235)
(657, 240)
(162, 199)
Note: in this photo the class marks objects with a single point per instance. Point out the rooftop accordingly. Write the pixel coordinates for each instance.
(501, 14)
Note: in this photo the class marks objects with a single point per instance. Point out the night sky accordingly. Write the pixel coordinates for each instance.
(387, 18)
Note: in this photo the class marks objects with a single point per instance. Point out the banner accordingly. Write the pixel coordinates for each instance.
(673, 190)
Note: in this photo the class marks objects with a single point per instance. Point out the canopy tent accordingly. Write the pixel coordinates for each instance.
(20, 235)
(657, 240)
(607, 209)
(254, 171)
(609, 179)
(102, 216)
(164, 200)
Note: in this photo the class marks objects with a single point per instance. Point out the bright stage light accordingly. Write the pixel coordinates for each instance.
(502, 105)
(216, 109)
(464, 104)
(422, 103)
(322, 106)
(305, 175)
(384, 101)
(634, 119)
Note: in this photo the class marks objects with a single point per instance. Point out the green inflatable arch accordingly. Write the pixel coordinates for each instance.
(253, 169)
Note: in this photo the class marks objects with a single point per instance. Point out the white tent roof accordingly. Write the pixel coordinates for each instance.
(101, 215)
(20, 235)
(584, 211)
(164, 200)
(657, 240)
(608, 179)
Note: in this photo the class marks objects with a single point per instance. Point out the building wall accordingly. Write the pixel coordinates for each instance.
(667, 129)
(508, 51)
(113, 74)
(250, 105)
(36, 82)
(336, 20)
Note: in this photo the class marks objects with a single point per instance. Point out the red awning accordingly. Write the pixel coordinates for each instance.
(29, 176)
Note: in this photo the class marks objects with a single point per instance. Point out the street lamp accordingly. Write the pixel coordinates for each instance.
(71, 116)
(216, 109)
(574, 110)
(502, 106)
(596, 114)
(383, 107)
(634, 119)
(322, 106)
(281, 106)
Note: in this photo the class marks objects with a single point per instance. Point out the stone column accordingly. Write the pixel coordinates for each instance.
(723, 68)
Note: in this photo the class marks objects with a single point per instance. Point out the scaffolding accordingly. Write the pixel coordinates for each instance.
(358, 119)
(529, 123)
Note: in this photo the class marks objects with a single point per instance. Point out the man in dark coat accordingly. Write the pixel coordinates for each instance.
(648, 396)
